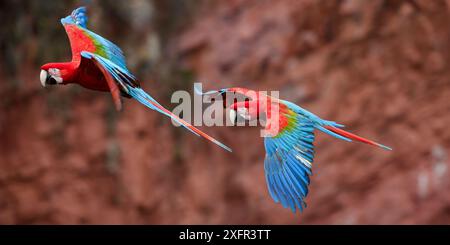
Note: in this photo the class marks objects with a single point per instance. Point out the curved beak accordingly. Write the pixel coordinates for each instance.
(47, 79)
(44, 76)
(233, 117)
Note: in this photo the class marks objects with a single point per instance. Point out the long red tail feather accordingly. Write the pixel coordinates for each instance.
(356, 137)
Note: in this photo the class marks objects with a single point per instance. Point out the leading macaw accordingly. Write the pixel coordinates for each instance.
(288, 141)
(99, 64)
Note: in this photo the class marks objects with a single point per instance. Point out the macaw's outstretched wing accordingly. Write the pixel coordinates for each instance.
(289, 155)
(122, 76)
(90, 63)
(118, 79)
(81, 39)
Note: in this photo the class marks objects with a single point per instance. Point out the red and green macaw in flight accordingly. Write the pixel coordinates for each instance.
(99, 64)
(288, 141)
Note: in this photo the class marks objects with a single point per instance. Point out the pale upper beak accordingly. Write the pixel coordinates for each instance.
(233, 116)
(43, 77)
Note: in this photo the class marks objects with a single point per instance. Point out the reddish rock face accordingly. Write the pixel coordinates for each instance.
(379, 67)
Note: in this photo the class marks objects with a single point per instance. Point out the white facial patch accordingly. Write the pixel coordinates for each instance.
(56, 74)
(243, 112)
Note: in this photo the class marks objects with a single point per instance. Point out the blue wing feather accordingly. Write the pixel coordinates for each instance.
(78, 17)
(288, 164)
(121, 75)
(290, 155)
(112, 51)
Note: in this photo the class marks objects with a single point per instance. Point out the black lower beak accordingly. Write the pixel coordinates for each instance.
(50, 80)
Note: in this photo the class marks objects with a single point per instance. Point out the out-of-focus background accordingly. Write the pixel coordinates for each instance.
(380, 67)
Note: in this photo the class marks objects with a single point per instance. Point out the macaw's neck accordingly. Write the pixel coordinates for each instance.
(68, 70)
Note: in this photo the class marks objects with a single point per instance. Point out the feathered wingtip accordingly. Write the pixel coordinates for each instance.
(80, 16)
(77, 17)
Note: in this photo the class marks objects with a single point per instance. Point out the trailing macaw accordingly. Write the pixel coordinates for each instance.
(100, 65)
(288, 140)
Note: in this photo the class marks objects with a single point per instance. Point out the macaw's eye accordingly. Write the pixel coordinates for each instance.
(54, 72)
